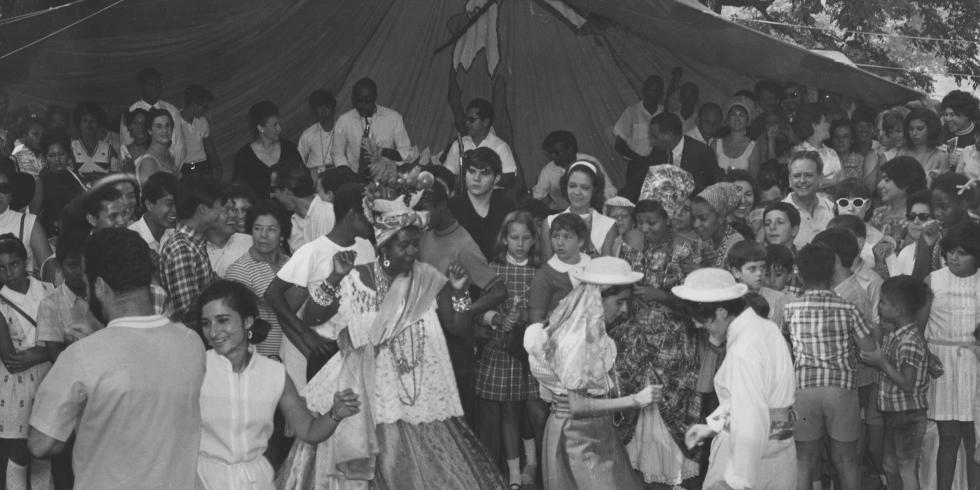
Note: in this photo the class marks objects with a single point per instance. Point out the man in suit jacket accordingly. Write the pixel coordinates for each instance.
(672, 147)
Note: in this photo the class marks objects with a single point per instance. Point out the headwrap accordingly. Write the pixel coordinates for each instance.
(574, 344)
(745, 103)
(669, 185)
(723, 197)
(618, 202)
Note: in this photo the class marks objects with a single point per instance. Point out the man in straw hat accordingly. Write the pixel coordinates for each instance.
(753, 425)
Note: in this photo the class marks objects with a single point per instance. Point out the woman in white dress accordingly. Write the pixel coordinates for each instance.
(94, 155)
(736, 150)
(241, 391)
(582, 185)
(389, 316)
(157, 157)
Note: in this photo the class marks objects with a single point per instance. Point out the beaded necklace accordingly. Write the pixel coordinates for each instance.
(407, 350)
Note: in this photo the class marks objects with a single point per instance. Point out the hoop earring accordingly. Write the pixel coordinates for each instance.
(249, 335)
(385, 262)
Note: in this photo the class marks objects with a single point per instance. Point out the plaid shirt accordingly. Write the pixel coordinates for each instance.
(822, 328)
(904, 347)
(185, 272)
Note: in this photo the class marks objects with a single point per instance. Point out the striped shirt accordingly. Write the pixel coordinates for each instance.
(822, 329)
(257, 275)
(904, 347)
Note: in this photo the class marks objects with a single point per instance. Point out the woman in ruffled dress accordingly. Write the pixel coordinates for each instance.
(390, 316)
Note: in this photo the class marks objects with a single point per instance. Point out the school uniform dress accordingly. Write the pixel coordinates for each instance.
(500, 376)
(952, 320)
(17, 390)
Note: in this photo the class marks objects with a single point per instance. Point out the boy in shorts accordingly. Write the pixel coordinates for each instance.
(903, 378)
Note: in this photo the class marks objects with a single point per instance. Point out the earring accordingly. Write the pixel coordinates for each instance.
(249, 335)
(385, 262)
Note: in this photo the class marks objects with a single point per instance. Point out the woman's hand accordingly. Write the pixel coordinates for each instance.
(649, 395)
(883, 249)
(343, 263)
(23, 360)
(931, 231)
(459, 279)
(697, 434)
(345, 404)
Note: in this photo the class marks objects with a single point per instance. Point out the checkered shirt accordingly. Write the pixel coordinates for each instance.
(185, 272)
(822, 328)
(904, 347)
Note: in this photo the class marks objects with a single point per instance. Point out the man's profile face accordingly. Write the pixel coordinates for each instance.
(662, 140)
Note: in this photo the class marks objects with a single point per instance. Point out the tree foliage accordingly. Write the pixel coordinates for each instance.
(956, 20)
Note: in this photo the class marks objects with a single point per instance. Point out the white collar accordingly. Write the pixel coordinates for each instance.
(563, 267)
(679, 149)
(148, 321)
(512, 261)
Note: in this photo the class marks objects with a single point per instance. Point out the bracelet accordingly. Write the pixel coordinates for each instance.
(325, 294)
(461, 304)
(334, 417)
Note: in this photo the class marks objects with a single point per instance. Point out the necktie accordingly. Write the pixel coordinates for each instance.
(364, 158)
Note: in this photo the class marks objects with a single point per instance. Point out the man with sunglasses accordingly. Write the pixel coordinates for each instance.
(368, 128)
(478, 120)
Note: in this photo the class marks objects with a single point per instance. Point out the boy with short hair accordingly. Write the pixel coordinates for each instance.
(479, 208)
(316, 143)
(825, 333)
(903, 377)
(779, 268)
(746, 260)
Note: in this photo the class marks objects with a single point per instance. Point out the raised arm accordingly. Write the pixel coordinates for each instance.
(453, 303)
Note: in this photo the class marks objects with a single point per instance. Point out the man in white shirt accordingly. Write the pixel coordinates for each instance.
(157, 224)
(562, 147)
(308, 268)
(707, 124)
(366, 127)
(480, 134)
(316, 143)
(312, 217)
(200, 154)
(151, 86)
(632, 130)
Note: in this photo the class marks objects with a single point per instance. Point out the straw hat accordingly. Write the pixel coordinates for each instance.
(710, 285)
(606, 271)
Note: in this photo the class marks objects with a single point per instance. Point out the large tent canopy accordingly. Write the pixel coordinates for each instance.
(545, 64)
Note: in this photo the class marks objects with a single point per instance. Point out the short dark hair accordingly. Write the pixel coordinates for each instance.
(779, 255)
(260, 112)
(668, 122)
(237, 190)
(907, 293)
(322, 98)
(197, 94)
(863, 114)
(709, 106)
(806, 117)
(131, 115)
(294, 177)
(154, 113)
(120, 257)
(906, 172)
(366, 83)
(160, 184)
(965, 235)
(570, 222)
(772, 174)
(240, 298)
(484, 108)
(651, 206)
(850, 223)
(851, 187)
(56, 137)
(346, 198)
(147, 74)
(806, 155)
(842, 123)
(89, 107)
(950, 183)
(443, 174)
(786, 208)
(270, 207)
(923, 196)
(196, 191)
(816, 265)
(96, 198)
(706, 311)
(744, 252)
(10, 244)
(598, 182)
(962, 103)
(934, 126)
(560, 136)
(482, 158)
(843, 243)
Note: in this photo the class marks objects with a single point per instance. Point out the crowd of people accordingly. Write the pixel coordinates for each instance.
(784, 291)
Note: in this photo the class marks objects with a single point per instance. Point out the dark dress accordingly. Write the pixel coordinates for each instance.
(59, 189)
(251, 171)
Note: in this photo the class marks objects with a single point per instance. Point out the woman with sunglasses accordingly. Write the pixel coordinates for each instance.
(852, 197)
(898, 260)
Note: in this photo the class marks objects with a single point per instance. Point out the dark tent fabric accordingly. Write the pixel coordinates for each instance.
(553, 72)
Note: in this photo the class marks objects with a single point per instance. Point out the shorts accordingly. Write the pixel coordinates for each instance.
(904, 432)
(827, 411)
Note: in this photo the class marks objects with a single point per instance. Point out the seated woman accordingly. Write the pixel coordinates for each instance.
(253, 161)
(739, 217)
(711, 209)
(237, 417)
(736, 150)
(922, 136)
(157, 157)
(572, 358)
(390, 315)
(582, 185)
(94, 155)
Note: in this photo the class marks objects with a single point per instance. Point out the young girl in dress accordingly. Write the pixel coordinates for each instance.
(951, 333)
(503, 381)
(552, 282)
(24, 364)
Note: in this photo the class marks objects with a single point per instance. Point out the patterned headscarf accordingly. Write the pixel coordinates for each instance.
(389, 216)
(723, 197)
(669, 185)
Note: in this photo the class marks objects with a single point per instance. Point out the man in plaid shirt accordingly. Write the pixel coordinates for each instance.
(185, 270)
(825, 332)
(903, 379)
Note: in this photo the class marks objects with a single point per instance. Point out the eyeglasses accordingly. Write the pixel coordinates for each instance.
(6, 188)
(856, 202)
(922, 217)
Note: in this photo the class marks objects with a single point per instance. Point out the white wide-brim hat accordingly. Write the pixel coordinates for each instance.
(710, 285)
(607, 271)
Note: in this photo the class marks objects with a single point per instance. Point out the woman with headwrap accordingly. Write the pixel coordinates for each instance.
(572, 358)
(658, 343)
(737, 150)
(711, 209)
(390, 316)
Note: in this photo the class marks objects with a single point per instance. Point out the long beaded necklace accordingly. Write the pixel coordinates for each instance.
(407, 350)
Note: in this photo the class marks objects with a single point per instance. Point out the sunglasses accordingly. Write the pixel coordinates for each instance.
(922, 217)
(856, 202)
(6, 188)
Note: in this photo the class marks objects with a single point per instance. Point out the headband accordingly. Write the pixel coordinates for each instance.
(586, 164)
